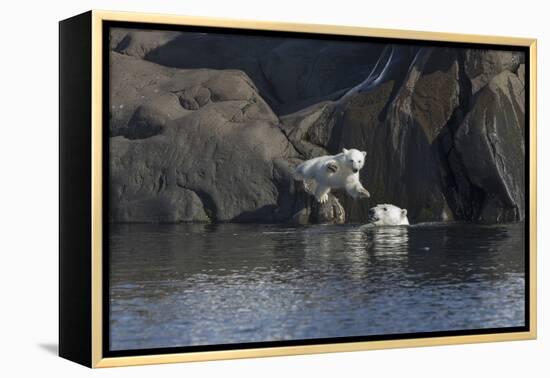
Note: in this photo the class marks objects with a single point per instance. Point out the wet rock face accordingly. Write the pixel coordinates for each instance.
(201, 139)
(396, 120)
(139, 43)
(290, 73)
(416, 129)
(482, 65)
(328, 212)
(313, 212)
(493, 164)
(221, 160)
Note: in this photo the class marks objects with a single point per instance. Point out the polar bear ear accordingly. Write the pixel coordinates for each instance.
(344, 150)
(404, 212)
(364, 153)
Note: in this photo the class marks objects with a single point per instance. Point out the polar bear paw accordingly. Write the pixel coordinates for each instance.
(363, 193)
(323, 198)
(332, 166)
(309, 186)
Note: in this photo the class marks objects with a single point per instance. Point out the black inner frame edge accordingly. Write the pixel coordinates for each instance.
(105, 87)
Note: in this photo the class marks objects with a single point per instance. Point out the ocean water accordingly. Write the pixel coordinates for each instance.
(204, 284)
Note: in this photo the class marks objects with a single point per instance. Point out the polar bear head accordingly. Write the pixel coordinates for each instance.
(354, 159)
(388, 215)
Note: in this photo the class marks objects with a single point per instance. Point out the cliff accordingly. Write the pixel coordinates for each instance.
(208, 127)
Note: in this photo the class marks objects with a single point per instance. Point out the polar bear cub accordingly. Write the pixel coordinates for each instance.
(341, 171)
(388, 215)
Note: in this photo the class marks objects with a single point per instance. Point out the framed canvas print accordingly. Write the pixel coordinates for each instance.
(234, 189)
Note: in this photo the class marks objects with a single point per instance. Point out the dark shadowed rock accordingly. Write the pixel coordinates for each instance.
(396, 123)
(313, 212)
(302, 72)
(435, 92)
(147, 120)
(310, 129)
(290, 74)
(195, 97)
(410, 122)
(196, 139)
(328, 212)
(139, 43)
(175, 93)
(136, 83)
(488, 144)
(227, 159)
(141, 193)
(115, 36)
(482, 65)
(521, 73)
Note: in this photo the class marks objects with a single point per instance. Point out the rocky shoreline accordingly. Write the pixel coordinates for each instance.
(198, 139)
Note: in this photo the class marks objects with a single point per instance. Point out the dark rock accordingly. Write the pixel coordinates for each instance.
(482, 65)
(410, 126)
(313, 212)
(310, 129)
(146, 121)
(201, 95)
(396, 122)
(435, 93)
(521, 73)
(196, 139)
(290, 74)
(302, 72)
(138, 43)
(116, 35)
(224, 161)
(145, 195)
(175, 93)
(489, 144)
(136, 83)
(188, 103)
(328, 212)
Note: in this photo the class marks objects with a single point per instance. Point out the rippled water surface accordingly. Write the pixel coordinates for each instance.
(194, 284)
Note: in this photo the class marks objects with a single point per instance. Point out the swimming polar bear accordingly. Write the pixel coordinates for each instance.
(388, 215)
(341, 171)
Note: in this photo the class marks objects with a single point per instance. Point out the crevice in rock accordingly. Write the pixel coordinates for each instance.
(161, 183)
(296, 148)
(400, 75)
(273, 93)
(310, 74)
(208, 204)
(463, 197)
(123, 44)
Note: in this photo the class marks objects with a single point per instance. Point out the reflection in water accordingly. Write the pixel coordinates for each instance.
(197, 284)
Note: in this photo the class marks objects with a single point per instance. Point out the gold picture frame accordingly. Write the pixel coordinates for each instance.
(89, 330)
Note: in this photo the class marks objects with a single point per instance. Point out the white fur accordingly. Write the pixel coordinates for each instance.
(388, 215)
(341, 171)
